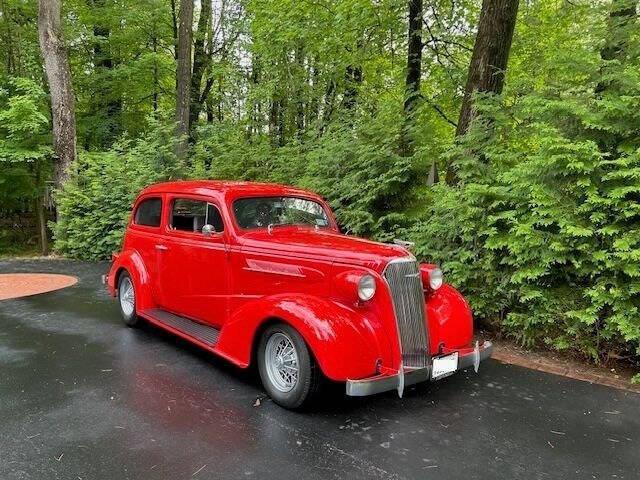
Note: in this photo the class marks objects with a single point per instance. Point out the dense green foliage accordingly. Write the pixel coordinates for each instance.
(94, 207)
(541, 233)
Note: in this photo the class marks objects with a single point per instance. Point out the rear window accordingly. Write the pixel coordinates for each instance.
(148, 212)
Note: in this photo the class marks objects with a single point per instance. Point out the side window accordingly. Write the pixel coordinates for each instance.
(214, 218)
(148, 213)
(191, 215)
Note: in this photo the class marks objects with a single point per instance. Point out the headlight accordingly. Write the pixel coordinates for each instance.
(435, 278)
(366, 287)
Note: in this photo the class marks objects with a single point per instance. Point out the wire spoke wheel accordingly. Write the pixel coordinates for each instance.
(127, 296)
(281, 361)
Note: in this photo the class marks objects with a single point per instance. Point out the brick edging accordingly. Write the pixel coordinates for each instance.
(549, 366)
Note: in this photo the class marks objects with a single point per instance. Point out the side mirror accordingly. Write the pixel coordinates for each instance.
(208, 230)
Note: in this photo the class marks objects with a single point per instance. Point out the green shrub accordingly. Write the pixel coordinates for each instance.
(94, 206)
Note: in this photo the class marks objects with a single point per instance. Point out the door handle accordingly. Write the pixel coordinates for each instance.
(162, 247)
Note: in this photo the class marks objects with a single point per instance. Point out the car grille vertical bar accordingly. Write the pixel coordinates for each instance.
(405, 284)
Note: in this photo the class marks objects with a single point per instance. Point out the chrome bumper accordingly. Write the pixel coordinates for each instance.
(384, 383)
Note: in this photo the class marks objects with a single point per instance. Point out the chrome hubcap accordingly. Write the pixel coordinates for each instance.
(127, 296)
(281, 360)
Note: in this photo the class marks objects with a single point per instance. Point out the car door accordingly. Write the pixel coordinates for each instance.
(193, 271)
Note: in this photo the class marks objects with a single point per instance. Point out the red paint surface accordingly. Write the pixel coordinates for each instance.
(240, 280)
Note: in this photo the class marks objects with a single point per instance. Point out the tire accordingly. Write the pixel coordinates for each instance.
(127, 300)
(277, 375)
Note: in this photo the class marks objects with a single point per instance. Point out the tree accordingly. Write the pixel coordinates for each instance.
(201, 59)
(56, 65)
(414, 56)
(414, 72)
(490, 55)
(183, 77)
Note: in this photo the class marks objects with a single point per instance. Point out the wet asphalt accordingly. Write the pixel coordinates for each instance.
(84, 397)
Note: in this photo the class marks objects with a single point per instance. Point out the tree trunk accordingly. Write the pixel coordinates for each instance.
(200, 61)
(414, 72)
(300, 91)
(490, 55)
(327, 109)
(314, 103)
(156, 82)
(183, 77)
(353, 78)
(56, 65)
(255, 120)
(8, 37)
(414, 57)
(38, 206)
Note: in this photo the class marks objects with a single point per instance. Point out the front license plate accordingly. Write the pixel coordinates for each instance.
(443, 366)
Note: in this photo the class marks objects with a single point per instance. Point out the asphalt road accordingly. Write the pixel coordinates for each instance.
(84, 397)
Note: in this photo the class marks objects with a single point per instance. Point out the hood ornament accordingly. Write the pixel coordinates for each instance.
(403, 243)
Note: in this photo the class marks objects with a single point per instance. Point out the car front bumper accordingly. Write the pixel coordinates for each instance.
(384, 383)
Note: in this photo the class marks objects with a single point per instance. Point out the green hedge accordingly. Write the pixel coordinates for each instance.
(95, 204)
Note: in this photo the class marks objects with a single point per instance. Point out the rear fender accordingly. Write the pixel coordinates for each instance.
(340, 338)
(131, 261)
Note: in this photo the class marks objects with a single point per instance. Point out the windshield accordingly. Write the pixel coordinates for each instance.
(260, 212)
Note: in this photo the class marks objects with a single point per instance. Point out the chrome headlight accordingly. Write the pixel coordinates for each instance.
(366, 287)
(435, 278)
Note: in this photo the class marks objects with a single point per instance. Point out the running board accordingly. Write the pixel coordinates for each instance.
(199, 331)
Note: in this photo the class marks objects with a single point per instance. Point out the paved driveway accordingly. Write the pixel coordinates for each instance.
(82, 396)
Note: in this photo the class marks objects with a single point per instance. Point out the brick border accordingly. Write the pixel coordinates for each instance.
(565, 368)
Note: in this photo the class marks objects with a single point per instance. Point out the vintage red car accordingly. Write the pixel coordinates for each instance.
(260, 274)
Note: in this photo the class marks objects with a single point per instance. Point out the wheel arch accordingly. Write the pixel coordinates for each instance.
(131, 262)
(262, 327)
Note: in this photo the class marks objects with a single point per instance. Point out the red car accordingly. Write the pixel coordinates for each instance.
(260, 274)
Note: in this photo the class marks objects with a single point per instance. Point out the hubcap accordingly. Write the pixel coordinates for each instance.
(127, 296)
(281, 360)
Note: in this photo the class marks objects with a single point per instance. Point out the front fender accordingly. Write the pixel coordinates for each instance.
(340, 338)
(132, 262)
(450, 319)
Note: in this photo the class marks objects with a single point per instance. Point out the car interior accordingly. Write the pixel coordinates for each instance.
(191, 215)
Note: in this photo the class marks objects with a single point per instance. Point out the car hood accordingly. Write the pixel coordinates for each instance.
(323, 244)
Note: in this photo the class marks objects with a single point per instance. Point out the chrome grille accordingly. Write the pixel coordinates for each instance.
(405, 284)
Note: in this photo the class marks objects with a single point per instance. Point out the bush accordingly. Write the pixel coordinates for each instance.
(542, 232)
(95, 204)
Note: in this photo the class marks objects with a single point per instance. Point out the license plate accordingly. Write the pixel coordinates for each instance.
(443, 366)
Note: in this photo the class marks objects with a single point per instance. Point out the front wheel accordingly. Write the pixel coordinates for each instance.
(288, 371)
(127, 299)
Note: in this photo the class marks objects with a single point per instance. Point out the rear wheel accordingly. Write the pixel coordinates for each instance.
(127, 299)
(288, 371)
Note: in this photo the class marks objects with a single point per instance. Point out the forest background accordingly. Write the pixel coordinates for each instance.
(501, 136)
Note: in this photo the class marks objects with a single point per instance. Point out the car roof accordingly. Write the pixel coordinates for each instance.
(226, 188)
